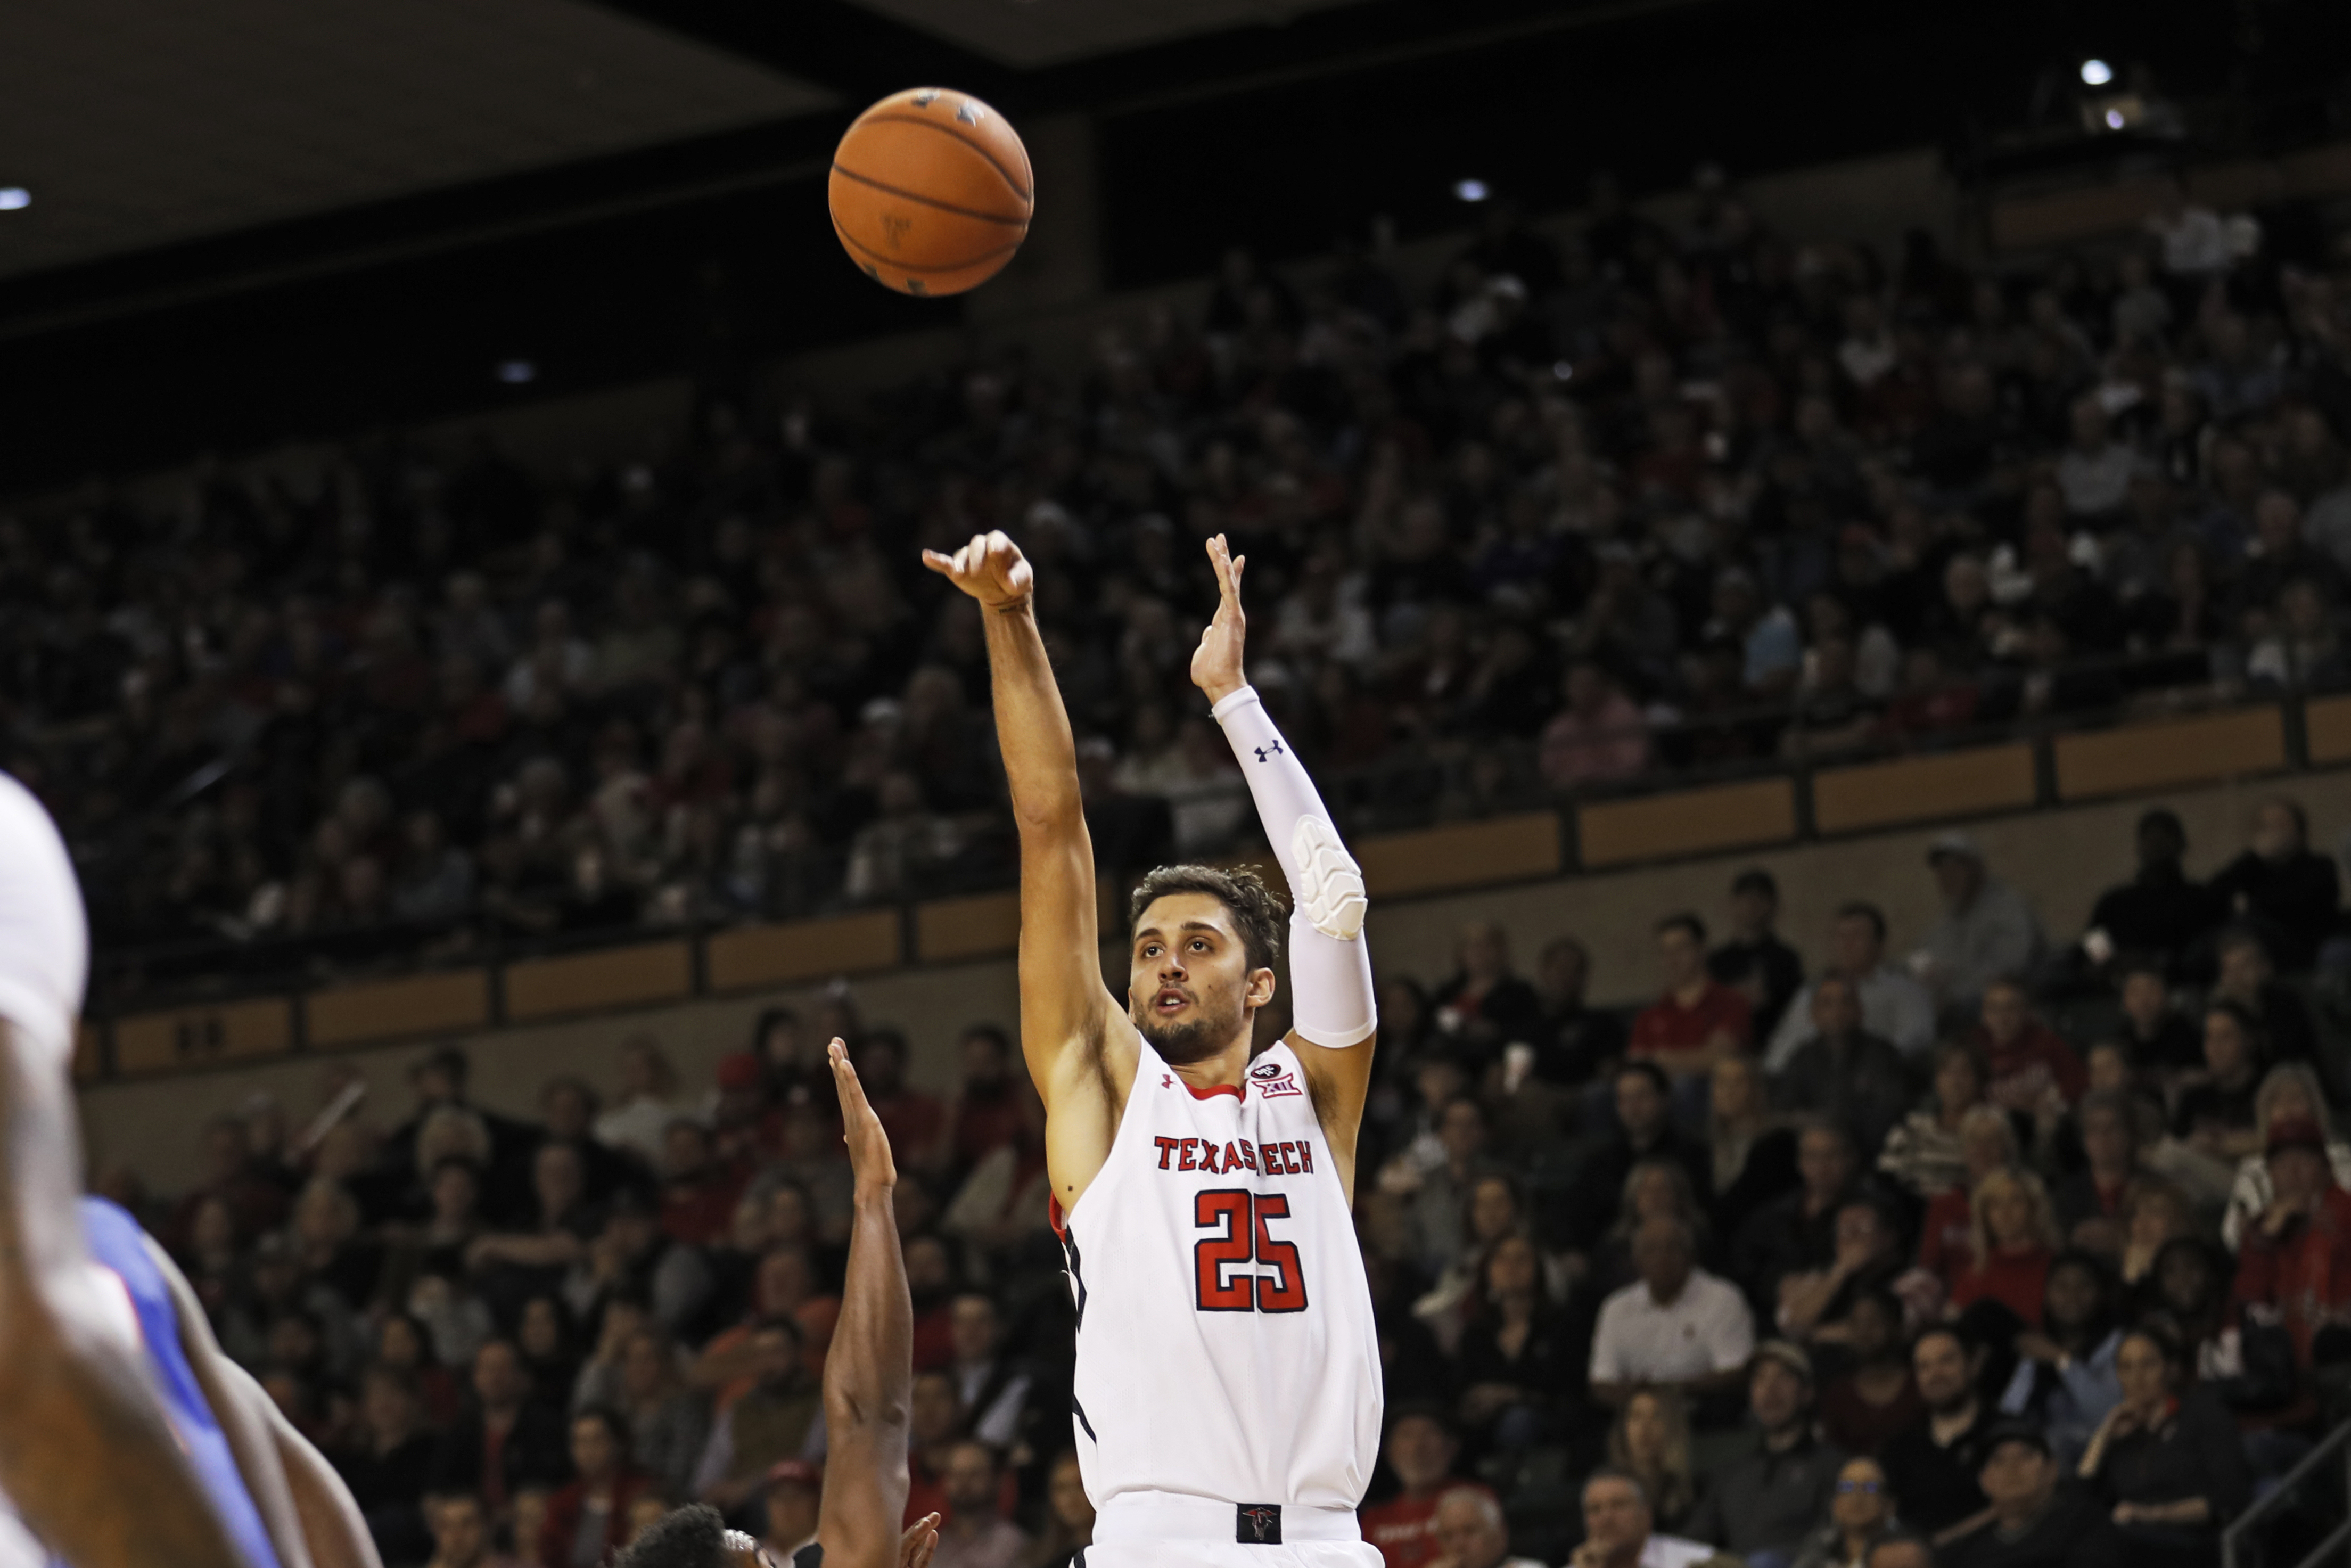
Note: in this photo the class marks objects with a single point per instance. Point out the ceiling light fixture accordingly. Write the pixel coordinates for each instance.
(2096, 73)
(1469, 190)
(15, 198)
(517, 372)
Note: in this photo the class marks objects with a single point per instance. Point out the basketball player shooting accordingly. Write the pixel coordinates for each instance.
(1228, 1394)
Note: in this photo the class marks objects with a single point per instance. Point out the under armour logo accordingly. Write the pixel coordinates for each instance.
(1263, 752)
(1167, 1081)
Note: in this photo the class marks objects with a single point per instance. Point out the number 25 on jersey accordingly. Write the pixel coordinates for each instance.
(1235, 1219)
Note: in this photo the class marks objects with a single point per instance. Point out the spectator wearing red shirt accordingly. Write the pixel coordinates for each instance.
(698, 1193)
(1421, 1448)
(588, 1520)
(2029, 1060)
(2295, 1266)
(1697, 1022)
(2015, 1236)
(1947, 1233)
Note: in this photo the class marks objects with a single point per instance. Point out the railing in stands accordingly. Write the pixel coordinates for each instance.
(2240, 1546)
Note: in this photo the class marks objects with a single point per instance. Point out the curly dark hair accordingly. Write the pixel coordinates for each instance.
(1256, 908)
(690, 1537)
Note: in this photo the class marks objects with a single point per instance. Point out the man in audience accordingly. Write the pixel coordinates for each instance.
(1619, 1530)
(794, 1489)
(1754, 961)
(1644, 1130)
(1893, 1005)
(764, 1426)
(992, 1390)
(1797, 1231)
(1768, 1499)
(2294, 1267)
(1698, 1021)
(1932, 1466)
(1472, 1533)
(1677, 1326)
(2161, 913)
(461, 1533)
(2281, 888)
(1846, 1074)
(2036, 1521)
(1988, 931)
(975, 1534)
(1421, 1448)
(507, 1440)
(1573, 1041)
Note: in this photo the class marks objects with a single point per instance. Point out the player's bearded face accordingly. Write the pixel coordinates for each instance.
(1188, 991)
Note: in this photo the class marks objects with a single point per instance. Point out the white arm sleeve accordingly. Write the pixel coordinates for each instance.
(1329, 963)
(44, 938)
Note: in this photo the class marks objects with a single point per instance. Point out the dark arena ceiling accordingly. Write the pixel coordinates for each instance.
(247, 219)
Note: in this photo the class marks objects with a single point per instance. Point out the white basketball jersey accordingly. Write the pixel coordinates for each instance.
(1225, 1345)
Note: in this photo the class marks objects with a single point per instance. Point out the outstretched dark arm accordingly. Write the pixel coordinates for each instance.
(869, 1373)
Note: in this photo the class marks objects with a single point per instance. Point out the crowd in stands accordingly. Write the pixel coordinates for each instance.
(1985, 1244)
(1601, 504)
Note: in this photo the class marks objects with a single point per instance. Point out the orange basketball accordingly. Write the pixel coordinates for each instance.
(931, 192)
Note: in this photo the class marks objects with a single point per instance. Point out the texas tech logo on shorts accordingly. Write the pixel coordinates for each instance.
(1257, 1524)
(1272, 1080)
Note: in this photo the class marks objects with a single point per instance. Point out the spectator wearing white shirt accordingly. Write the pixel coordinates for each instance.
(1988, 931)
(1893, 1005)
(1619, 1532)
(2095, 474)
(1678, 1326)
(649, 1102)
(1472, 1533)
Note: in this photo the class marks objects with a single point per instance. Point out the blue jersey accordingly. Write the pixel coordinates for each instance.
(117, 1244)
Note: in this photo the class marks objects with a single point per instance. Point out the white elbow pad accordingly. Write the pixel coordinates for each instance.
(1330, 890)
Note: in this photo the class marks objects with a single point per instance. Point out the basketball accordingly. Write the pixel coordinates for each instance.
(931, 192)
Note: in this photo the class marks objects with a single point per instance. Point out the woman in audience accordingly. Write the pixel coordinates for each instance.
(1069, 1517)
(543, 1334)
(1876, 1397)
(2215, 1113)
(1754, 1150)
(1946, 1234)
(2289, 1089)
(2012, 1238)
(401, 1345)
(1516, 1359)
(388, 1464)
(1651, 1442)
(2065, 1363)
(2167, 1458)
(2247, 1363)
(2154, 1215)
(1861, 1515)
(1926, 1153)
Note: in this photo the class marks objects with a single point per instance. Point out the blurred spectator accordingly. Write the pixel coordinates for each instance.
(914, 1119)
(1574, 1039)
(2277, 1011)
(1485, 1006)
(506, 1441)
(992, 1389)
(1645, 1130)
(1599, 735)
(588, 1520)
(2031, 1068)
(2093, 1196)
(2012, 1242)
(1932, 1463)
(1754, 960)
(1876, 1397)
(1893, 1005)
(1855, 1079)
(1767, 1501)
(1754, 1148)
(461, 1534)
(788, 1508)
(975, 1534)
(1796, 1232)
(1069, 1517)
(766, 1424)
(1619, 1530)
(2280, 887)
(390, 1465)
(1518, 1360)
(1420, 1451)
(2034, 1519)
(1650, 1441)
(2065, 1380)
(2294, 1265)
(698, 1195)
(1988, 931)
(2160, 913)
(986, 1113)
(1679, 1327)
(1698, 1021)
(639, 1121)
(2167, 1458)
(2215, 1113)
(2288, 1094)
(1860, 1515)
(1471, 1531)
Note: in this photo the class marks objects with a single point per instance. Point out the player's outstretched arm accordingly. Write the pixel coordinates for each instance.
(310, 1513)
(869, 1373)
(1331, 1000)
(87, 1456)
(1075, 1036)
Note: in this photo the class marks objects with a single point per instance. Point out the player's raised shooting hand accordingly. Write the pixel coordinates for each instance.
(990, 568)
(1216, 663)
(869, 1147)
(921, 1540)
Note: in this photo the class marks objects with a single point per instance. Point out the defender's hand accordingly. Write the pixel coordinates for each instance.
(869, 1161)
(1217, 664)
(921, 1540)
(990, 568)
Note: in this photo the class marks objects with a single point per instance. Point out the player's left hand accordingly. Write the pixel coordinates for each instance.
(1216, 663)
(921, 1540)
(869, 1147)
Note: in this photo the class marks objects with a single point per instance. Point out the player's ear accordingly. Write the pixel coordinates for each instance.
(1262, 985)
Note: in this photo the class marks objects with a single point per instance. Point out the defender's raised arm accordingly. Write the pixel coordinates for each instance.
(1079, 1046)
